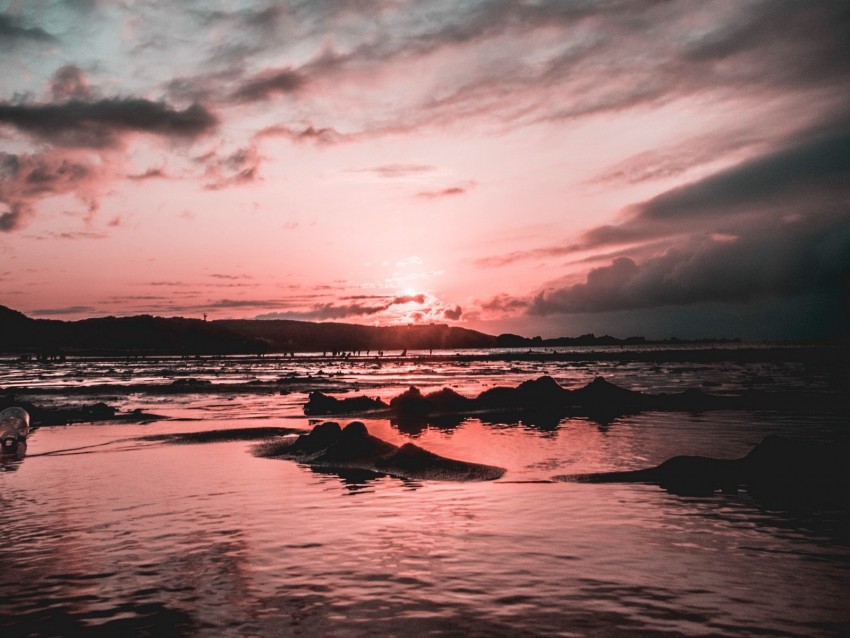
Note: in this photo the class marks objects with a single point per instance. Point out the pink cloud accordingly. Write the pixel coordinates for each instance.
(26, 179)
(450, 191)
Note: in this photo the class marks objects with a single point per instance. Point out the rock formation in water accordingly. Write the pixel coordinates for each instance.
(319, 403)
(543, 401)
(778, 469)
(331, 447)
(86, 413)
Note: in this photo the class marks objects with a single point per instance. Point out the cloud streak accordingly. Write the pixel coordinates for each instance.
(330, 311)
(13, 31)
(397, 171)
(304, 134)
(270, 83)
(98, 124)
(235, 169)
(451, 191)
(801, 178)
(341, 63)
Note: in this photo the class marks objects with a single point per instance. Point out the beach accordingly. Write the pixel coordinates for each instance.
(114, 527)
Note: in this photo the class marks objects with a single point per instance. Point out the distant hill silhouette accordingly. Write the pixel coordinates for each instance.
(108, 335)
(145, 334)
(590, 339)
(284, 335)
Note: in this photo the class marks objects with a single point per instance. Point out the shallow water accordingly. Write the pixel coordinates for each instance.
(109, 534)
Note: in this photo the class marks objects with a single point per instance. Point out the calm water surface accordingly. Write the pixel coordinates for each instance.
(105, 534)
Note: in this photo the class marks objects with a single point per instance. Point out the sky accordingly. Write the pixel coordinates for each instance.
(541, 167)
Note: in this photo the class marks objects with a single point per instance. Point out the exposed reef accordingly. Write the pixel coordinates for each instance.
(778, 470)
(191, 385)
(543, 401)
(87, 413)
(319, 403)
(341, 450)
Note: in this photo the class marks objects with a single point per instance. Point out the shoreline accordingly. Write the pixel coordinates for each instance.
(696, 352)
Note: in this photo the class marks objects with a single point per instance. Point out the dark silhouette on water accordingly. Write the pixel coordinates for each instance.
(53, 340)
(319, 403)
(14, 430)
(542, 401)
(85, 413)
(188, 385)
(778, 470)
(328, 446)
(146, 334)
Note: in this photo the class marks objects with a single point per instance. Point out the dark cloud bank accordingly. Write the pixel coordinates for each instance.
(766, 239)
(98, 124)
(76, 121)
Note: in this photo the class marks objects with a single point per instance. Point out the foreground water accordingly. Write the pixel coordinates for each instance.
(107, 534)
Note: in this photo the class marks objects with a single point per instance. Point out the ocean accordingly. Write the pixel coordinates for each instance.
(109, 533)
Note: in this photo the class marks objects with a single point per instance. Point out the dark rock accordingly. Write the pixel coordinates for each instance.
(777, 469)
(319, 403)
(412, 412)
(100, 411)
(600, 392)
(534, 393)
(539, 402)
(543, 391)
(447, 400)
(92, 413)
(498, 397)
(317, 439)
(352, 448)
(413, 462)
(542, 402)
(412, 402)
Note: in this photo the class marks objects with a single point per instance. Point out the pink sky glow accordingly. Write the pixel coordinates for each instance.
(547, 167)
